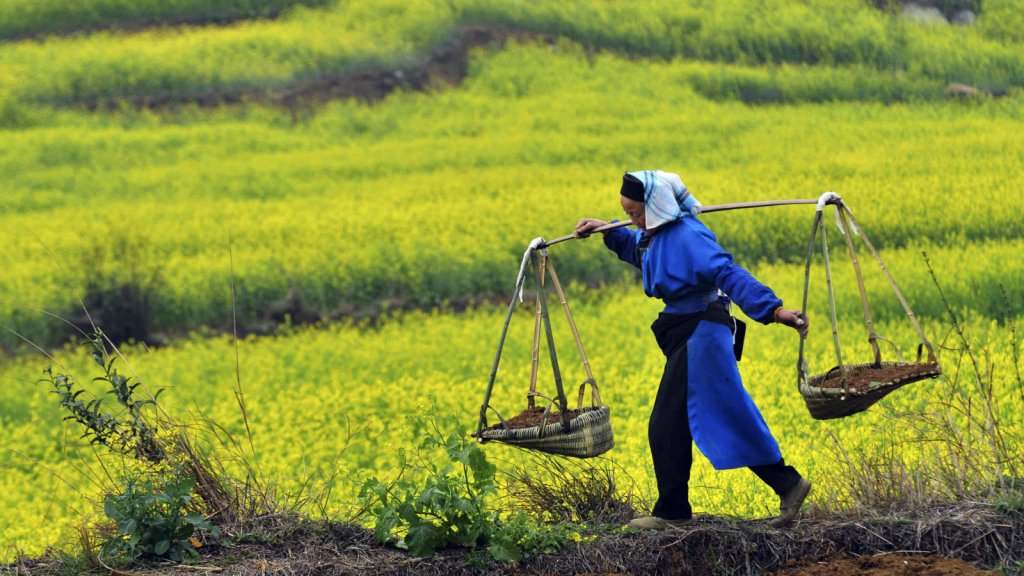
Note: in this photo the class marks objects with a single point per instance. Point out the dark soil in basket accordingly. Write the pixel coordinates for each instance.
(531, 417)
(864, 379)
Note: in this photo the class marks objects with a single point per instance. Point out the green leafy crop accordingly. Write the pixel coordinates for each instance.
(433, 505)
(155, 517)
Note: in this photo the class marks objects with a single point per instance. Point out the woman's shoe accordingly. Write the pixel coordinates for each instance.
(655, 523)
(791, 502)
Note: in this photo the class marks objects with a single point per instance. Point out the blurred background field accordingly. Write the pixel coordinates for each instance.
(427, 198)
(380, 222)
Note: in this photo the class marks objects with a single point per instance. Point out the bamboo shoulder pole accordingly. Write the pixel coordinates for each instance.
(706, 209)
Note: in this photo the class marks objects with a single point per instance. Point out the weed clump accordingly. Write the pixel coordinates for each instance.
(436, 502)
(577, 491)
(176, 486)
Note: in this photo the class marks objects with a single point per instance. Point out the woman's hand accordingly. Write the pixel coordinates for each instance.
(586, 225)
(794, 319)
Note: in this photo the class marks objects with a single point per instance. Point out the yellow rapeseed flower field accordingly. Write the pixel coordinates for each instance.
(427, 200)
(305, 391)
(412, 201)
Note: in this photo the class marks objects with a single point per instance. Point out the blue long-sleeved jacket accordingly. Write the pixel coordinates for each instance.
(685, 267)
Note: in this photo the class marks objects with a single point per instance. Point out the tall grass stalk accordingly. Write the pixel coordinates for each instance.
(239, 395)
(1011, 323)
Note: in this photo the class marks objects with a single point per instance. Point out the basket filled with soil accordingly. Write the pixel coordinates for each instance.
(555, 428)
(582, 433)
(853, 388)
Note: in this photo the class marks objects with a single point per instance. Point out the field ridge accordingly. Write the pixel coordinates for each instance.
(950, 540)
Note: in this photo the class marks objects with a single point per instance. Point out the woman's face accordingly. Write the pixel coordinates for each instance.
(635, 211)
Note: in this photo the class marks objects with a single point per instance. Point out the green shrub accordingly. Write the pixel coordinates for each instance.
(152, 505)
(120, 284)
(1010, 499)
(433, 505)
(155, 517)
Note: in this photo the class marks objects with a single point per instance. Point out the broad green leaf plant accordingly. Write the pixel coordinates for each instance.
(435, 504)
(155, 517)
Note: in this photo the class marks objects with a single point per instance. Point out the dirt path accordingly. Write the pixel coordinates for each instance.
(892, 564)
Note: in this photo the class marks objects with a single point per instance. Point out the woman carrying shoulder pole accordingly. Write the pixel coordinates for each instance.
(701, 397)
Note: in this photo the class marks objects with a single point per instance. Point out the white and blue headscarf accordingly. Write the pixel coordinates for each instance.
(666, 198)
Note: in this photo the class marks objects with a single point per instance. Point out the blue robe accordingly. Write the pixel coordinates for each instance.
(684, 266)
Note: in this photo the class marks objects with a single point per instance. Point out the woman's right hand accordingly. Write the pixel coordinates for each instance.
(794, 319)
(586, 225)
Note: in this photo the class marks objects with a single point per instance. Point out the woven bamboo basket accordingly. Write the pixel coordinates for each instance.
(827, 402)
(589, 434)
(582, 433)
(851, 388)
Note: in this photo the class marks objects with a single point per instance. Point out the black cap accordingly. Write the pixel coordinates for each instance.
(632, 188)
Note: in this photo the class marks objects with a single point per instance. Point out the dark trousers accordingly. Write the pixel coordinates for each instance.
(669, 428)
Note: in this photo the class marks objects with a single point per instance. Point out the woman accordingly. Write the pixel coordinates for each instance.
(701, 397)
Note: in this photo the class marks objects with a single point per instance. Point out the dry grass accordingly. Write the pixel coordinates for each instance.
(555, 489)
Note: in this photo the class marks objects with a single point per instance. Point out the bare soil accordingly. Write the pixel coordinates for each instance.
(887, 564)
(865, 379)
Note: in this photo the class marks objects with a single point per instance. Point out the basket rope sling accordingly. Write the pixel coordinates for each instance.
(851, 388)
(584, 432)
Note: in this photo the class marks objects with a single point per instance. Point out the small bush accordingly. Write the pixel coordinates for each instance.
(128, 432)
(154, 513)
(163, 485)
(13, 115)
(433, 505)
(155, 516)
(1010, 499)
